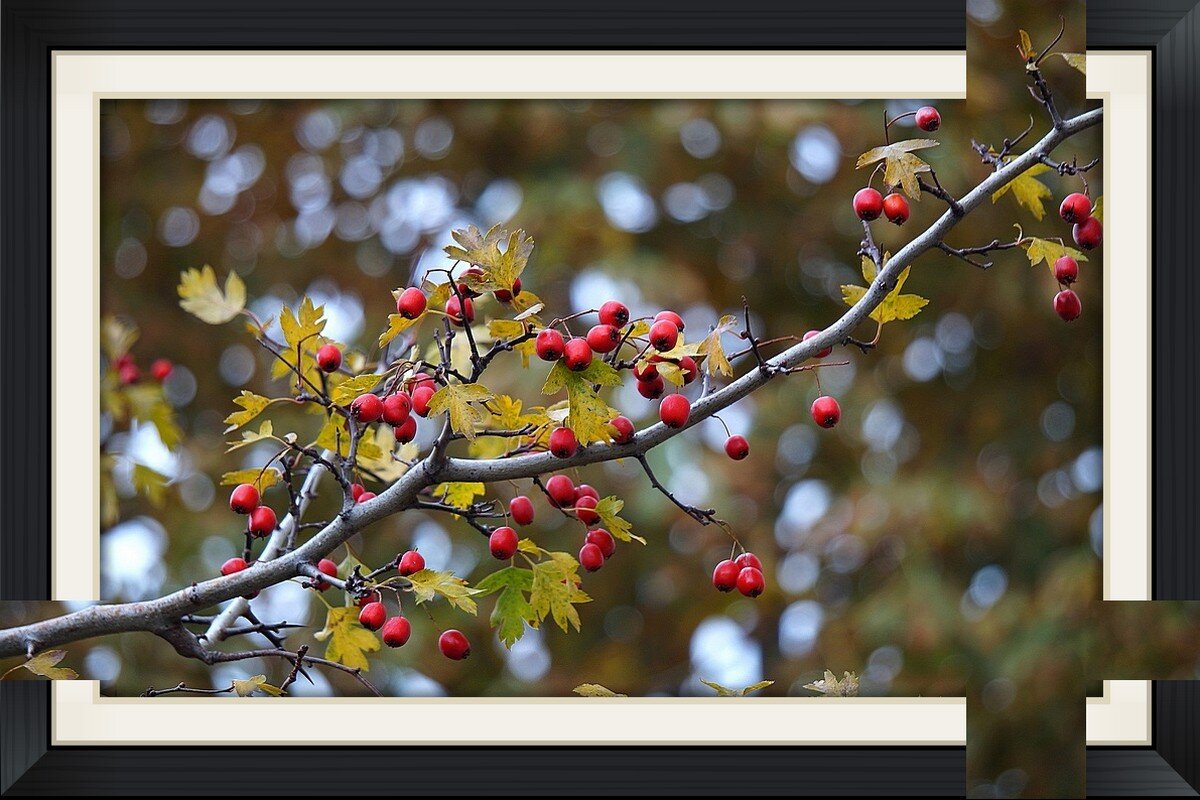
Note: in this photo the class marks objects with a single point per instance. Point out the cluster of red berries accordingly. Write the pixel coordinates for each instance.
(244, 499)
(460, 307)
(395, 631)
(744, 573)
(869, 203)
(582, 500)
(129, 373)
(1088, 233)
(395, 409)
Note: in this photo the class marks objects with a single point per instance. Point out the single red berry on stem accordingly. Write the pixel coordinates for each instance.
(820, 353)
(584, 490)
(687, 365)
(329, 568)
(129, 374)
(664, 335)
(457, 310)
(585, 509)
(928, 119)
(615, 314)
(591, 557)
(396, 408)
(736, 447)
(670, 316)
(367, 408)
(396, 632)
(329, 358)
(549, 345)
(503, 543)
(244, 498)
(602, 539)
(750, 582)
(233, 565)
(406, 431)
(411, 303)
(1076, 207)
(1067, 305)
(725, 575)
(1066, 270)
(826, 412)
(372, 616)
(603, 338)
(674, 410)
(561, 490)
(748, 560)
(520, 508)
(1088, 234)
(645, 371)
(262, 521)
(365, 497)
(622, 429)
(895, 208)
(161, 368)
(563, 443)
(868, 204)
(577, 355)
(420, 399)
(653, 388)
(411, 563)
(454, 645)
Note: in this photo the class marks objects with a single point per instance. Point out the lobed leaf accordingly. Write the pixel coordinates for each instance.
(200, 296)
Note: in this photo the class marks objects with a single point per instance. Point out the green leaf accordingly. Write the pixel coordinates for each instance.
(44, 665)
(252, 405)
(502, 255)
(901, 167)
(256, 683)
(347, 641)
(595, 690)
(459, 495)
(1028, 190)
(609, 509)
(512, 609)
(1048, 250)
(262, 479)
(456, 399)
(200, 295)
(346, 391)
(555, 590)
(429, 583)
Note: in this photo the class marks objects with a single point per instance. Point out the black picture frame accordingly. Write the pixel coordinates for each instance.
(31, 29)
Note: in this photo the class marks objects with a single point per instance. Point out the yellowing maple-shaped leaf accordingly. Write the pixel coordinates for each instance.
(830, 686)
(1076, 60)
(595, 690)
(397, 325)
(502, 255)
(456, 400)
(199, 295)
(116, 337)
(901, 167)
(895, 306)
(609, 510)
(149, 483)
(587, 413)
(1049, 251)
(265, 431)
(379, 454)
(252, 405)
(555, 590)
(715, 360)
(1028, 190)
(261, 479)
(512, 610)
(255, 683)
(44, 665)
(345, 392)
(301, 333)
(428, 584)
(725, 691)
(347, 641)
(460, 494)
(502, 329)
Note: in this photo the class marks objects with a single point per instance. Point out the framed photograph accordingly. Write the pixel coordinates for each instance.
(751, 399)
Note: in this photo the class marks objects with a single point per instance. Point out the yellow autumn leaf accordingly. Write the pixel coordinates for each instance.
(1076, 60)
(587, 413)
(255, 683)
(460, 495)
(500, 254)
(595, 690)
(252, 405)
(347, 641)
(895, 306)
(901, 167)
(609, 510)
(349, 389)
(44, 665)
(199, 295)
(428, 584)
(1049, 251)
(265, 431)
(457, 401)
(261, 479)
(1028, 191)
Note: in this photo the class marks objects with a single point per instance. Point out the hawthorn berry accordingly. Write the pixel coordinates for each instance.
(645, 371)
(603, 338)
(366, 497)
(458, 310)
(602, 539)
(329, 358)
(396, 408)
(895, 208)
(591, 557)
(820, 353)
(236, 564)
(563, 443)
(670, 316)
(748, 560)
(736, 447)
(750, 582)
(411, 563)
(549, 345)
(561, 490)
(503, 543)
(411, 303)
(1067, 305)
(129, 374)
(928, 119)
(520, 508)
(406, 431)
(1076, 207)
(674, 410)
(577, 355)
(473, 275)
(367, 408)
(396, 632)
(1088, 234)
(1066, 270)
(244, 498)
(584, 490)
(664, 334)
(506, 295)
(724, 577)
(826, 412)
(372, 615)
(652, 389)
(687, 365)
(356, 491)
(614, 313)
(622, 429)
(868, 204)
(420, 399)
(329, 568)
(161, 368)
(454, 645)
(262, 521)
(585, 509)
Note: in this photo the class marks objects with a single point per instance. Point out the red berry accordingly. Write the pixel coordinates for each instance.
(356, 491)
(233, 565)
(549, 345)
(411, 563)
(420, 399)
(724, 578)
(868, 204)
(583, 490)
(419, 380)
(645, 371)
(161, 368)
(622, 429)
(602, 539)
(820, 353)
(367, 408)
(454, 645)
(503, 543)
(244, 498)
(826, 412)
(1067, 305)
(396, 408)
(262, 521)
(521, 510)
(329, 568)
(674, 410)
(396, 632)
(372, 616)
(129, 374)
(406, 431)
(411, 303)
(1066, 270)
(577, 355)
(329, 358)
(653, 388)
(670, 316)
(1088, 234)
(615, 314)
(690, 371)
(584, 509)
(475, 275)
(748, 560)
(751, 582)
(928, 119)
(895, 208)
(664, 334)
(603, 338)
(456, 310)
(1076, 207)
(365, 497)
(561, 490)
(506, 295)
(736, 447)
(591, 557)
(563, 443)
